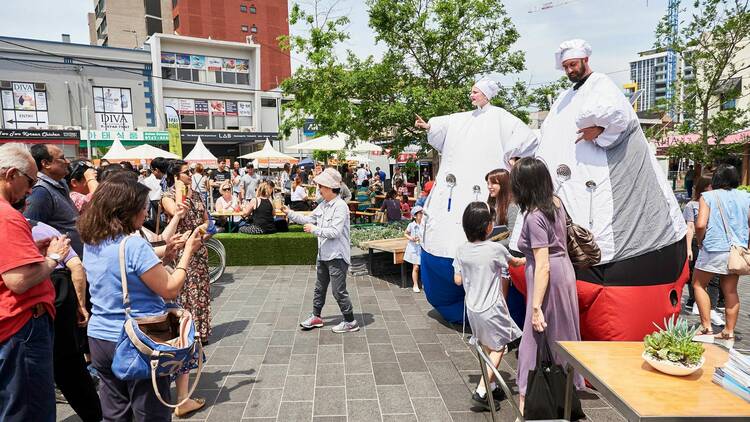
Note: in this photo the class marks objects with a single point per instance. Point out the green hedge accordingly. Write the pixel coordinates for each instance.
(289, 248)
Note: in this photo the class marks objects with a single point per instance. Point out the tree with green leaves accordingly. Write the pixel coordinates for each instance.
(435, 49)
(544, 95)
(709, 42)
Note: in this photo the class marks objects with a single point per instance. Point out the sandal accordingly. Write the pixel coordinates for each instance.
(192, 405)
(704, 331)
(723, 335)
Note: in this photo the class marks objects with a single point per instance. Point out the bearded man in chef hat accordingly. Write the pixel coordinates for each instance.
(470, 144)
(611, 184)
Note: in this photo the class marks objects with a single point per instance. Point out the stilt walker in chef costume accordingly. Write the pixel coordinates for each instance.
(470, 144)
(611, 184)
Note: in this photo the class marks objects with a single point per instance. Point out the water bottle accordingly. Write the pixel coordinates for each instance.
(211, 225)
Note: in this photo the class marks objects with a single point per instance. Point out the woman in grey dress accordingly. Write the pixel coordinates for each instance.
(551, 301)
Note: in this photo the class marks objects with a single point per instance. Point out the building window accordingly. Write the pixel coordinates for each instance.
(153, 25)
(174, 4)
(252, 9)
(243, 79)
(268, 102)
(176, 22)
(153, 7)
(243, 8)
(167, 73)
(188, 75)
(253, 29)
(244, 28)
(113, 108)
(728, 104)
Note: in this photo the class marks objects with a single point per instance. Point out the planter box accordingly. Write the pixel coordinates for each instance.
(288, 248)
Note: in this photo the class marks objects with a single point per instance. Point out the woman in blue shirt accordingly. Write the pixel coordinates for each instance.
(715, 242)
(118, 208)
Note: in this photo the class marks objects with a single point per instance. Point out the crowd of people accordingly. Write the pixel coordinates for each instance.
(62, 309)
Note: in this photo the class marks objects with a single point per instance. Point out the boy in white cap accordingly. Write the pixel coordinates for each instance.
(330, 223)
(471, 144)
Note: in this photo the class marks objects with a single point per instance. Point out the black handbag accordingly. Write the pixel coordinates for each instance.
(545, 388)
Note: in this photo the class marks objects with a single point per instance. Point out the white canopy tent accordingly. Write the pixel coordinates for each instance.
(335, 142)
(268, 157)
(116, 152)
(201, 154)
(149, 152)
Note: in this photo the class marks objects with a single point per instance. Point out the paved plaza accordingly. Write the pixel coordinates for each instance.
(405, 364)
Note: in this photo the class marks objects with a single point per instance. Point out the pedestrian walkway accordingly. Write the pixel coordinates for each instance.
(404, 365)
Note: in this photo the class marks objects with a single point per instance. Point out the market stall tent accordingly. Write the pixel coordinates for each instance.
(268, 157)
(149, 152)
(201, 154)
(116, 151)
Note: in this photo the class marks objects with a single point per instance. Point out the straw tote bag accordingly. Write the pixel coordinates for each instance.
(739, 256)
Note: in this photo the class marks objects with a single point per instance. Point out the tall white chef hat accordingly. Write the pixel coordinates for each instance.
(488, 87)
(571, 49)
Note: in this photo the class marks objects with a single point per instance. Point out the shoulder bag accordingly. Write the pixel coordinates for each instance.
(155, 346)
(582, 248)
(739, 256)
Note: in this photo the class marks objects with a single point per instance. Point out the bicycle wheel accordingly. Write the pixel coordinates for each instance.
(217, 259)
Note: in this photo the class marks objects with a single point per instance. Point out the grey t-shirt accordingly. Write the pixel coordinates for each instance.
(481, 265)
(250, 184)
(690, 212)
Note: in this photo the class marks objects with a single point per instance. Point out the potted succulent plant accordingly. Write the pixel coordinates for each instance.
(672, 350)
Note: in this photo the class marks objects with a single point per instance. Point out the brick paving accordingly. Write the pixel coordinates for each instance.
(405, 364)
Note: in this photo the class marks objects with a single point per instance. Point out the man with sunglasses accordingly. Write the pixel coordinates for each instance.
(50, 200)
(27, 297)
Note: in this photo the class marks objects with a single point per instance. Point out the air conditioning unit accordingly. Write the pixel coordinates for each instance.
(247, 128)
(40, 86)
(6, 84)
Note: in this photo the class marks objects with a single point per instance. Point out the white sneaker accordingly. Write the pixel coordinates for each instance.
(695, 309)
(716, 318)
(415, 289)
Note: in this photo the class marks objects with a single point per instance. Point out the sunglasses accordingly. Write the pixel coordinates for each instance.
(31, 180)
(186, 172)
(225, 189)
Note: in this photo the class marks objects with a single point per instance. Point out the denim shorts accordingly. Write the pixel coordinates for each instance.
(712, 262)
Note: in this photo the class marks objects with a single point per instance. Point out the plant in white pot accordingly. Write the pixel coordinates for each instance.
(672, 350)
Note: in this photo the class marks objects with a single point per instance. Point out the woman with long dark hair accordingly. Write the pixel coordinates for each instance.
(551, 299)
(118, 208)
(195, 295)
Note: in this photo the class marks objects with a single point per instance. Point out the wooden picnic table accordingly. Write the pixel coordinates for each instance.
(229, 217)
(396, 246)
(641, 393)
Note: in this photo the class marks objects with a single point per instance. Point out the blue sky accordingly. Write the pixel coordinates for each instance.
(617, 30)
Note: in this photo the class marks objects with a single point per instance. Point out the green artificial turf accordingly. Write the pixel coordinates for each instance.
(288, 248)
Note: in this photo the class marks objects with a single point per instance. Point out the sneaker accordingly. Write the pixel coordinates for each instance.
(716, 318)
(415, 289)
(346, 327)
(311, 322)
(695, 309)
(483, 402)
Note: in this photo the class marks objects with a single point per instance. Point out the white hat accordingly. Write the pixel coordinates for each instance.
(416, 210)
(329, 178)
(571, 49)
(488, 87)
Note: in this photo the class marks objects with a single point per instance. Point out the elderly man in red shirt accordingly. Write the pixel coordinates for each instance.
(27, 309)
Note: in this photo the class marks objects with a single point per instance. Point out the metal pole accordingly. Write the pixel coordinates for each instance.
(85, 124)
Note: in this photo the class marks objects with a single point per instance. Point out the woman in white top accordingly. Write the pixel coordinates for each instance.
(285, 179)
(200, 182)
(227, 202)
(299, 196)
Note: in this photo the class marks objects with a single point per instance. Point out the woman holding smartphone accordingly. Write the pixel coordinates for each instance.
(195, 295)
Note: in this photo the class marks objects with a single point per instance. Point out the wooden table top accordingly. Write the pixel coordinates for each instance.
(619, 372)
(227, 214)
(387, 245)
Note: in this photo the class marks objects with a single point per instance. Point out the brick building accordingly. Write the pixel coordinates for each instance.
(235, 20)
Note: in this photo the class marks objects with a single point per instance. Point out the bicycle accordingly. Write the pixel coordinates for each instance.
(217, 259)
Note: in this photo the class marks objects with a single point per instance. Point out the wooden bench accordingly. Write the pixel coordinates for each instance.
(364, 214)
(395, 246)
